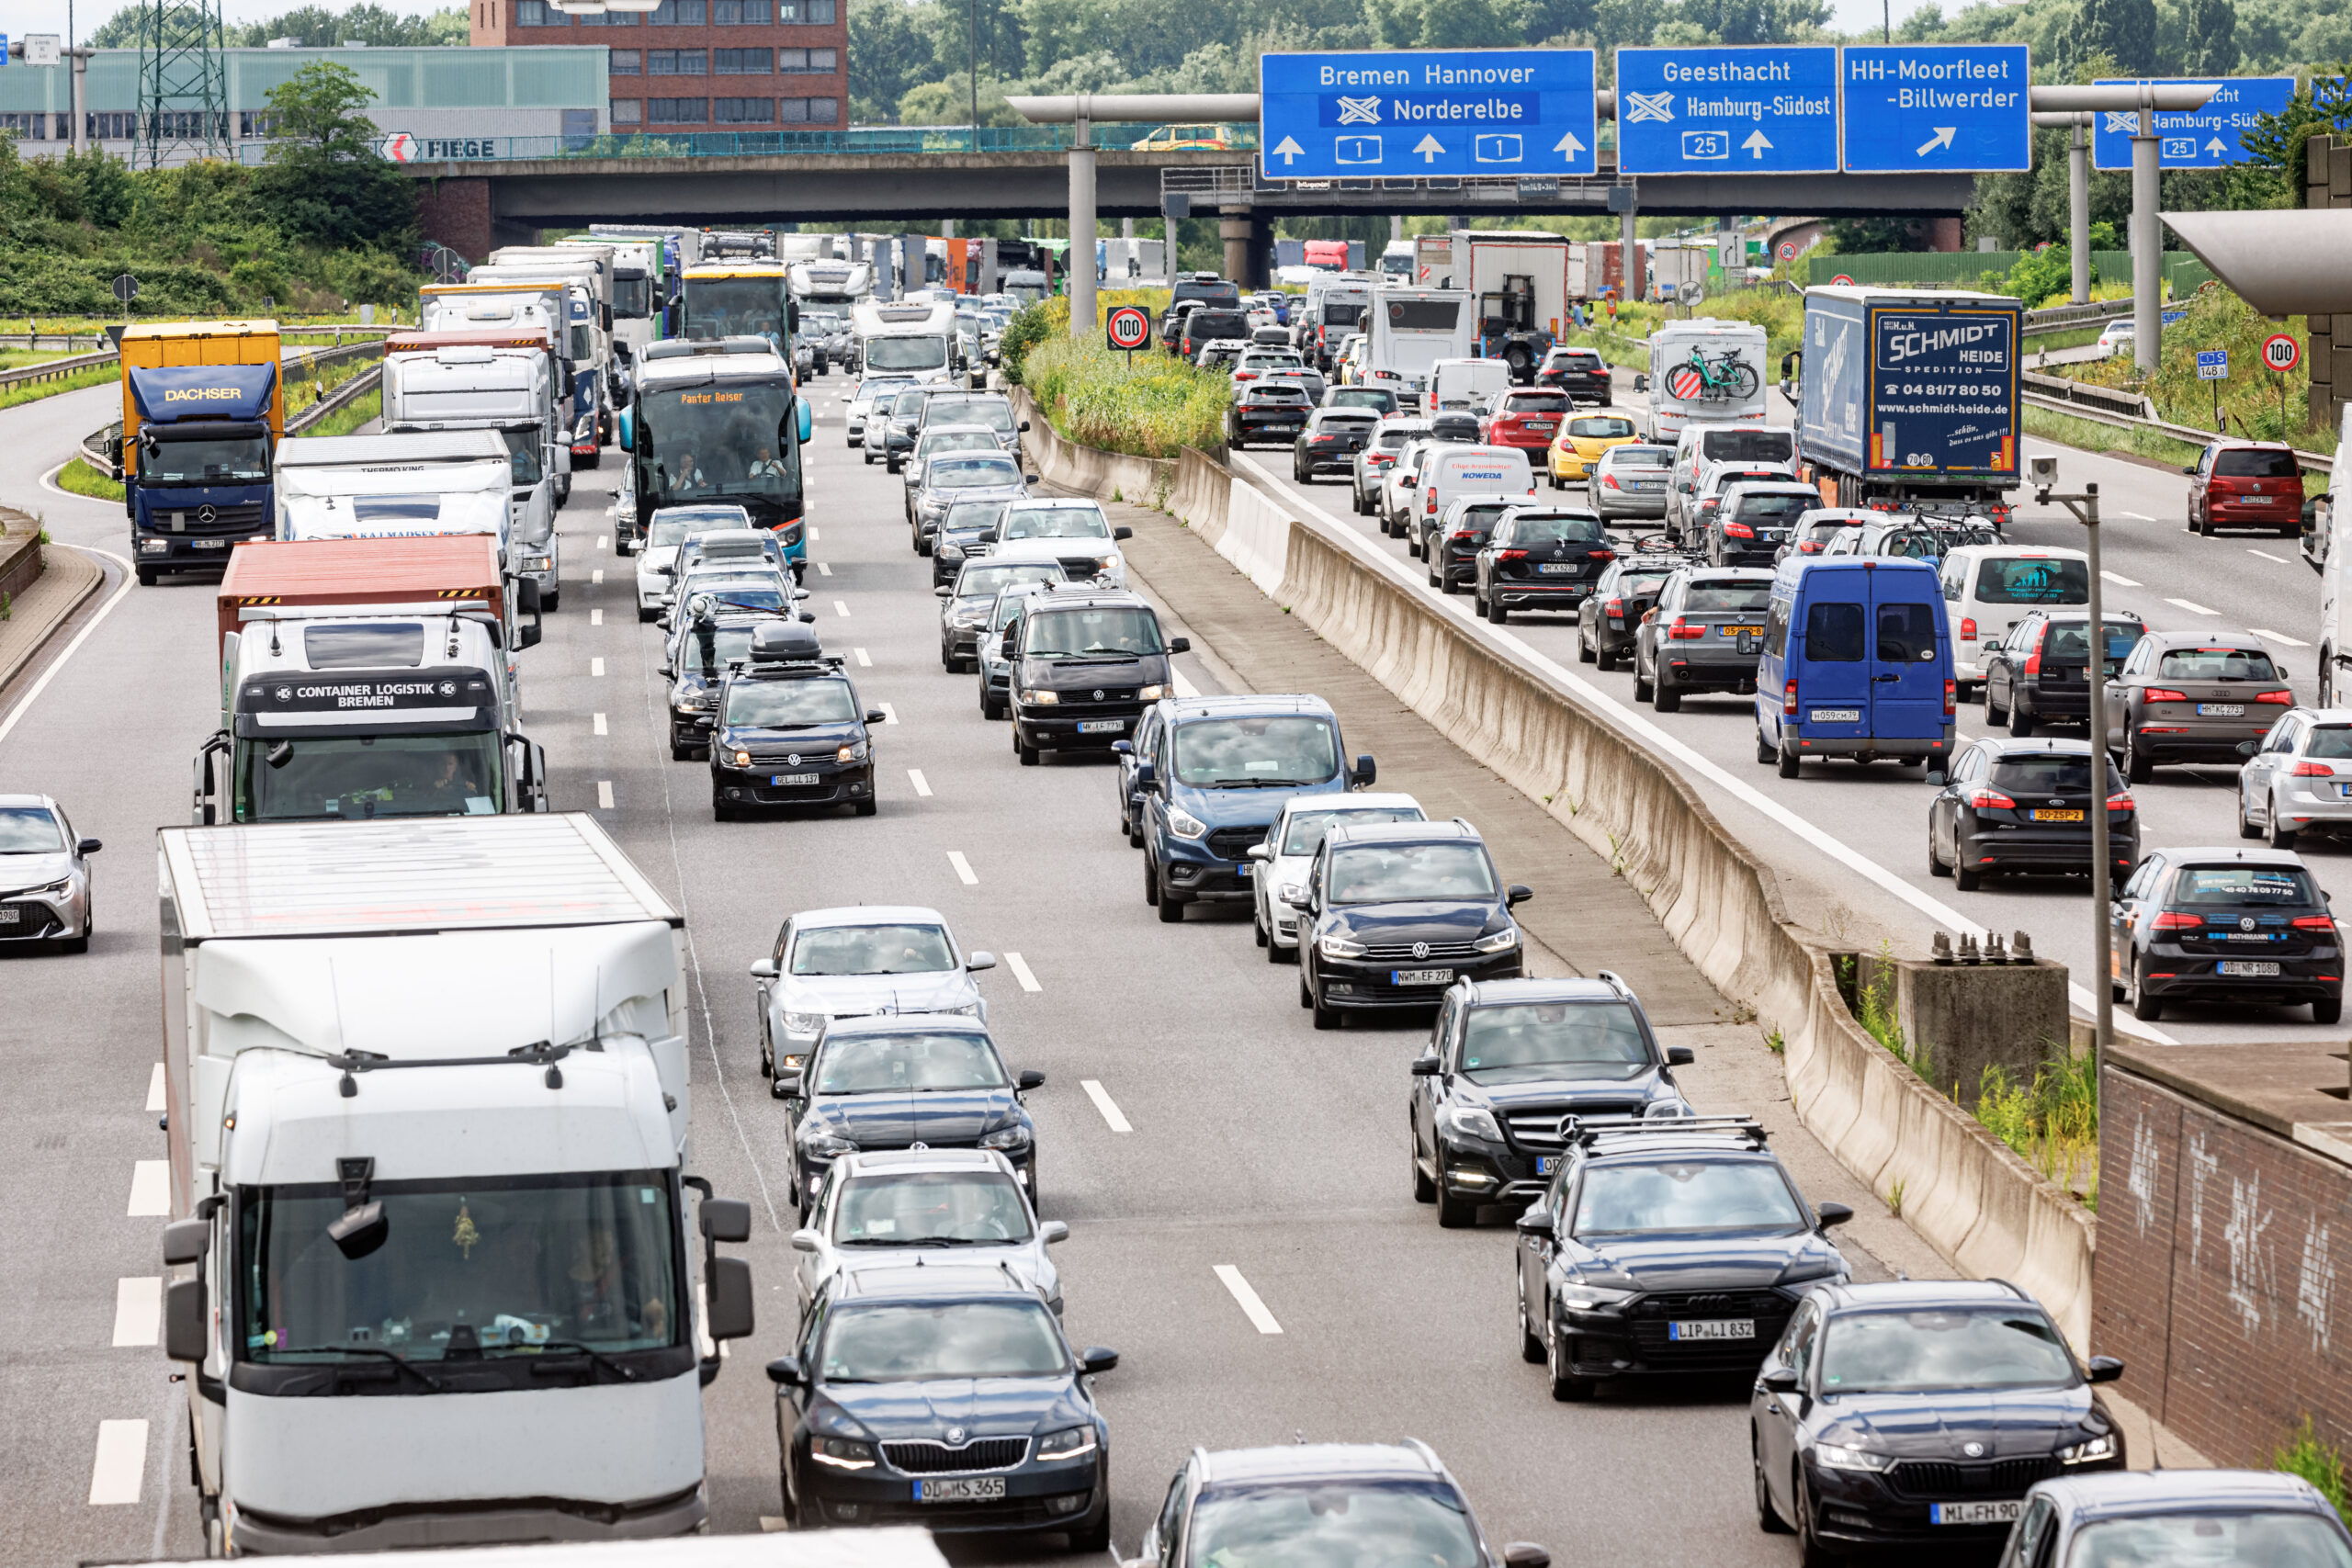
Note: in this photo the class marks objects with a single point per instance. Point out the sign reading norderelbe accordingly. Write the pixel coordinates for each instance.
(1520, 112)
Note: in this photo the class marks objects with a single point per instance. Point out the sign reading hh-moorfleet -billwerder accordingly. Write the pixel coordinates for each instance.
(1913, 109)
(1770, 109)
(2210, 138)
(1414, 111)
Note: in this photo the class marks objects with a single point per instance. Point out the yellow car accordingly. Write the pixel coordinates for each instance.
(1186, 138)
(1582, 439)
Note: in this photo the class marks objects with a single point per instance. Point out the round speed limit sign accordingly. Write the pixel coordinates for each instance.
(1787, 250)
(1128, 327)
(2281, 353)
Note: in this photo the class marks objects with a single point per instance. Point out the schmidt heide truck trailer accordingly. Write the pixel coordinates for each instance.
(434, 1279)
(203, 409)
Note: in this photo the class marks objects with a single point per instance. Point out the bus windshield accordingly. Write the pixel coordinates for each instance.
(736, 307)
(718, 443)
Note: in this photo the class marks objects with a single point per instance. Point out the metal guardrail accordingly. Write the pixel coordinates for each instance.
(2129, 411)
(870, 141)
(53, 343)
(2059, 318)
(305, 359)
(350, 392)
(56, 370)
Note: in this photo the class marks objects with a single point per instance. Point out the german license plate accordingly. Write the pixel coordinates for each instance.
(10, 916)
(1739, 631)
(2258, 499)
(2221, 710)
(1420, 977)
(207, 544)
(1649, 484)
(1557, 567)
(1712, 1329)
(2040, 815)
(2247, 969)
(1836, 716)
(961, 1489)
(2004, 1511)
(1546, 1165)
(1101, 726)
(1542, 426)
(780, 781)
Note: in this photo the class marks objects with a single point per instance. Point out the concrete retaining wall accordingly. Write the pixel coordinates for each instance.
(21, 558)
(1144, 480)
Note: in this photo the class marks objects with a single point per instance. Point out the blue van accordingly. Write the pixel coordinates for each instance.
(1207, 776)
(1856, 663)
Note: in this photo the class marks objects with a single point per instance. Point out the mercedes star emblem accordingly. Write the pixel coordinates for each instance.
(448, 688)
(206, 514)
(1420, 950)
(1973, 1451)
(792, 759)
(2057, 803)
(285, 693)
(954, 1434)
(918, 1146)
(2245, 922)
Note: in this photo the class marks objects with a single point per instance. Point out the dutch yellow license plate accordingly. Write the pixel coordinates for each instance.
(1739, 631)
(2057, 815)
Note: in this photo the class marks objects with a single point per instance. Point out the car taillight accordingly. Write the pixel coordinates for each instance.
(1808, 547)
(1739, 531)
(2120, 801)
(1682, 631)
(1992, 800)
(2312, 923)
(1510, 555)
(1611, 481)
(1615, 607)
(1951, 697)
(2033, 660)
(1600, 554)
(1789, 700)
(2283, 699)
(2171, 921)
(2163, 695)
(1968, 628)
(2312, 771)
(1245, 375)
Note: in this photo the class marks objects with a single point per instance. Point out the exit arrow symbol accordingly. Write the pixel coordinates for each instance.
(1288, 151)
(2216, 147)
(1429, 147)
(1568, 144)
(1942, 137)
(1756, 143)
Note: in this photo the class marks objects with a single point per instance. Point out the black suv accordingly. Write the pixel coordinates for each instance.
(1333, 438)
(1267, 410)
(1755, 519)
(1213, 323)
(1612, 614)
(2223, 925)
(1664, 1247)
(1398, 912)
(1917, 1413)
(1451, 543)
(2024, 806)
(2040, 672)
(709, 648)
(1086, 662)
(1540, 557)
(946, 1396)
(1510, 1062)
(1207, 291)
(965, 529)
(1705, 634)
(788, 729)
(1580, 373)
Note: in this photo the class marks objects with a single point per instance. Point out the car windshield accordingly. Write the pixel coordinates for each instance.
(2217, 664)
(1398, 873)
(2242, 887)
(958, 1340)
(2211, 1540)
(1746, 446)
(789, 704)
(1055, 522)
(1218, 753)
(29, 830)
(971, 517)
(2254, 463)
(1333, 1524)
(966, 473)
(1304, 834)
(1522, 1040)
(940, 441)
(1686, 1196)
(924, 1208)
(1601, 427)
(981, 581)
(2029, 580)
(1716, 598)
(872, 950)
(1092, 633)
(1557, 531)
(1774, 508)
(2044, 775)
(1942, 1350)
(908, 1064)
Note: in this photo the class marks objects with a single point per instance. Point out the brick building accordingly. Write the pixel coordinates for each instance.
(701, 65)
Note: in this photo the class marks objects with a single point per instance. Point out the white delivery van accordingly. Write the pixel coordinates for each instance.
(1451, 472)
(1989, 588)
(1465, 384)
(1704, 371)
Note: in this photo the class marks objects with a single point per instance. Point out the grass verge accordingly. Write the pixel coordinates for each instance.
(303, 390)
(2068, 430)
(83, 479)
(344, 421)
(95, 375)
(2052, 1123)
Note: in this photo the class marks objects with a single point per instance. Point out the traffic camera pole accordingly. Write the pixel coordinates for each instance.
(2085, 508)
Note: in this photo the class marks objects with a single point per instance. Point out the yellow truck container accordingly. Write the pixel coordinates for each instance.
(203, 410)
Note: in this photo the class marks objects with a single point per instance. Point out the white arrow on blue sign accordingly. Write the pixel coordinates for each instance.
(1410, 111)
(1914, 108)
(2210, 138)
(1770, 110)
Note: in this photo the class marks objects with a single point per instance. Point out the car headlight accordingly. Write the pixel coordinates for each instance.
(850, 754)
(1041, 698)
(1470, 1121)
(1837, 1456)
(688, 702)
(2089, 1451)
(1076, 1443)
(804, 1022)
(1666, 1108)
(742, 759)
(1152, 694)
(951, 552)
(1579, 1297)
(1339, 947)
(1106, 563)
(1502, 941)
(825, 1146)
(970, 1009)
(1012, 1140)
(841, 1454)
(1183, 824)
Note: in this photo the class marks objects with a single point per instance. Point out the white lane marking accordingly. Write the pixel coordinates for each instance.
(137, 1310)
(862, 661)
(2266, 554)
(155, 1100)
(841, 608)
(1661, 741)
(963, 868)
(598, 577)
(596, 666)
(121, 1463)
(604, 795)
(1105, 1104)
(825, 568)
(2192, 607)
(601, 730)
(1251, 1307)
(812, 536)
(595, 618)
(130, 581)
(150, 1188)
(922, 784)
(600, 541)
(1020, 967)
(2118, 578)
(889, 714)
(2278, 637)
(1184, 688)
(2136, 516)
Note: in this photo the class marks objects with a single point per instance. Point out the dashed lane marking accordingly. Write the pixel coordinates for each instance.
(601, 541)
(1251, 1307)
(1111, 1115)
(963, 868)
(862, 661)
(138, 1310)
(598, 577)
(1184, 688)
(600, 724)
(2279, 636)
(596, 666)
(889, 714)
(150, 1188)
(2192, 607)
(595, 618)
(922, 785)
(2118, 578)
(1020, 967)
(825, 568)
(121, 1463)
(841, 608)
(2266, 554)
(604, 795)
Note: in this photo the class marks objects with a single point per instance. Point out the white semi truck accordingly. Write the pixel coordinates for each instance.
(391, 486)
(475, 305)
(434, 1277)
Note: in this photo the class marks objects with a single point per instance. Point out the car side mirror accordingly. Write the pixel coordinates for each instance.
(1786, 388)
(1052, 1233)
(1778, 1380)
(1180, 645)
(944, 591)
(1519, 893)
(1535, 1221)
(1832, 1213)
(764, 969)
(1641, 383)
(875, 715)
(1147, 777)
(807, 1241)
(2247, 748)
(988, 535)
(1366, 769)
(2189, 467)
(1124, 748)
(1030, 1078)
(1427, 1065)
(1935, 778)
(1525, 1554)
(784, 1373)
(1096, 1359)
(2105, 1369)
(1259, 853)
(1025, 427)
(981, 959)
(88, 847)
(1034, 479)
(1680, 1056)
(1117, 534)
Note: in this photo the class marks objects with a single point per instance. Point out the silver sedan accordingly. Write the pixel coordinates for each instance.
(885, 1208)
(45, 876)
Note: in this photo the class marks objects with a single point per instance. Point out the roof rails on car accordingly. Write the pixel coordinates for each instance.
(1589, 1130)
(1610, 978)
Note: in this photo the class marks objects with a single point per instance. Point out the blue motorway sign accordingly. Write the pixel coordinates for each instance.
(2212, 364)
(1937, 109)
(2193, 138)
(1426, 112)
(1772, 109)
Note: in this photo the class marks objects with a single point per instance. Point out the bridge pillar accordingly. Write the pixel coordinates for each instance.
(456, 214)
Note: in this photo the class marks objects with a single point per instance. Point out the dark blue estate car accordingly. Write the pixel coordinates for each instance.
(930, 1080)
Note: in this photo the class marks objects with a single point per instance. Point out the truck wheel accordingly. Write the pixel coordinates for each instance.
(146, 577)
(552, 600)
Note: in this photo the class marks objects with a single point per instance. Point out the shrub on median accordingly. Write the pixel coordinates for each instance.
(1147, 404)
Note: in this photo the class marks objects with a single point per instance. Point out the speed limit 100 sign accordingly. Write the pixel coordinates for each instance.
(2281, 353)
(1128, 327)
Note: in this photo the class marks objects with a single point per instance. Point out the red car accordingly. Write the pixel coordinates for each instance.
(1528, 418)
(2247, 484)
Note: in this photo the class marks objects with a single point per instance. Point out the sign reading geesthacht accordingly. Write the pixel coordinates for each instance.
(1402, 112)
(1768, 110)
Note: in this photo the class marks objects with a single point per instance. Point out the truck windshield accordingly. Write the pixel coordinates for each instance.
(735, 307)
(632, 298)
(357, 776)
(232, 461)
(926, 350)
(522, 453)
(714, 443)
(481, 1266)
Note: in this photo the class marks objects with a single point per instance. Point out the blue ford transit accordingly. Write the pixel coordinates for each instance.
(1856, 663)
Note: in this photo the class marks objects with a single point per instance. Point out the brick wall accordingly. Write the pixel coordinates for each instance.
(2214, 1278)
(701, 65)
(456, 212)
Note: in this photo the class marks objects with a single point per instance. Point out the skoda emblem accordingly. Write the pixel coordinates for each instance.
(2245, 922)
(918, 1146)
(954, 1434)
(1420, 950)
(792, 759)
(206, 514)
(285, 693)
(1098, 694)
(1973, 1451)
(447, 688)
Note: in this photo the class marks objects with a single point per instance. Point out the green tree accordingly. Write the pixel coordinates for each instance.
(2124, 30)
(323, 175)
(2212, 27)
(1447, 24)
(889, 53)
(1755, 21)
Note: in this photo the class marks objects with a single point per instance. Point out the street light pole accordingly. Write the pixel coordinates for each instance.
(2085, 508)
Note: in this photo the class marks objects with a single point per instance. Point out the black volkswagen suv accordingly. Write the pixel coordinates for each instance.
(788, 729)
(1086, 662)
(1540, 558)
(1398, 912)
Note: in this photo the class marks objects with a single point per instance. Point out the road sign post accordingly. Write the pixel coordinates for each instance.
(2281, 354)
(1769, 109)
(1402, 113)
(1910, 109)
(2213, 365)
(2208, 138)
(126, 289)
(1128, 327)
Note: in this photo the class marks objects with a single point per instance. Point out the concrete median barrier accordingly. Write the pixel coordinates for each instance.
(1088, 469)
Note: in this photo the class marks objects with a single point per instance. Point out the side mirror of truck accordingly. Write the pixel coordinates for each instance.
(1641, 383)
(186, 1241)
(184, 1320)
(725, 1219)
(727, 1312)
(1180, 645)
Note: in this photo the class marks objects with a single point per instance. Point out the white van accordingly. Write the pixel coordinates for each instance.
(1410, 330)
(1466, 384)
(1704, 371)
(1989, 588)
(1451, 472)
